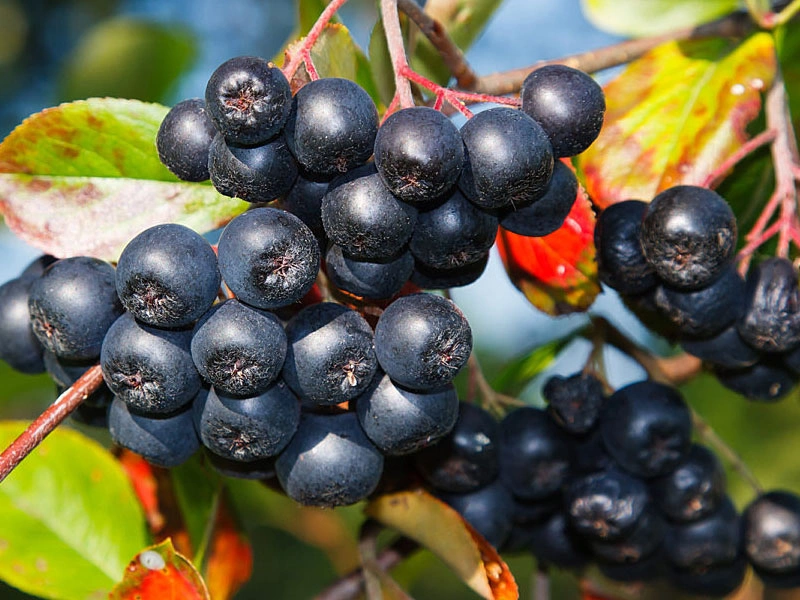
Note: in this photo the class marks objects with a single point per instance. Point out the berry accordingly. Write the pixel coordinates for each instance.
(164, 441)
(238, 349)
(646, 569)
(253, 173)
(646, 427)
(574, 402)
(150, 369)
(330, 356)
(371, 280)
(419, 154)
(184, 138)
(688, 236)
(555, 542)
(771, 321)
(167, 276)
(709, 542)
(452, 235)
(606, 505)
(534, 454)
(771, 533)
(248, 100)
(422, 341)
(568, 104)
(332, 126)
(707, 311)
(765, 381)
(509, 159)
(65, 372)
(488, 509)
(466, 458)
(364, 218)
(400, 421)
(645, 539)
(304, 201)
(72, 305)
(248, 429)
(726, 349)
(329, 462)
(19, 347)
(620, 262)
(263, 469)
(268, 258)
(549, 212)
(694, 489)
(717, 581)
(429, 278)
(37, 267)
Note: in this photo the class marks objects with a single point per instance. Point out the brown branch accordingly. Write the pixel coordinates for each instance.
(45, 423)
(451, 54)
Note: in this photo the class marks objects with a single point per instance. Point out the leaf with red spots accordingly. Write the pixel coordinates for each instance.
(84, 178)
(557, 272)
(434, 525)
(675, 115)
(160, 573)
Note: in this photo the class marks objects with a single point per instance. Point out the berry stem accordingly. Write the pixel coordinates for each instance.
(375, 576)
(717, 175)
(45, 423)
(493, 401)
(302, 55)
(397, 51)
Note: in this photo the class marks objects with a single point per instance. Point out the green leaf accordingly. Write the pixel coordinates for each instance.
(464, 20)
(84, 178)
(636, 18)
(676, 114)
(197, 490)
(516, 375)
(788, 44)
(308, 11)
(127, 58)
(334, 54)
(380, 63)
(71, 521)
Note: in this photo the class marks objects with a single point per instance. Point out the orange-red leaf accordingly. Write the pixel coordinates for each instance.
(675, 115)
(160, 573)
(230, 558)
(557, 272)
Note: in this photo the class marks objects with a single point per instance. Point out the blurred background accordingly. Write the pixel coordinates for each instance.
(53, 51)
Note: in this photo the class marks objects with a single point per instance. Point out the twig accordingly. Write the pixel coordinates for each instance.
(492, 400)
(352, 585)
(717, 175)
(397, 52)
(302, 54)
(45, 423)
(541, 584)
(376, 579)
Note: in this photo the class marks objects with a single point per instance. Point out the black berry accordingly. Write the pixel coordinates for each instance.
(184, 139)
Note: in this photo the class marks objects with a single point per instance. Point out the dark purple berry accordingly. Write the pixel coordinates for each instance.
(184, 139)
(717, 581)
(766, 381)
(304, 201)
(19, 347)
(555, 542)
(371, 280)
(771, 532)
(429, 278)
(575, 401)
(645, 539)
(489, 510)
(726, 349)
(709, 542)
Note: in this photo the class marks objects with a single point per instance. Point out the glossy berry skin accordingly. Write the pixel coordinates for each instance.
(606, 505)
(400, 421)
(726, 349)
(771, 320)
(19, 347)
(704, 312)
(555, 542)
(364, 218)
(167, 276)
(465, 459)
(239, 349)
(488, 509)
(429, 278)
(331, 126)
(771, 533)
(304, 201)
(72, 305)
(568, 104)
(452, 235)
(534, 454)
(253, 173)
(646, 427)
(509, 159)
(329, 462)
(419, 154)
(37, 266)
(644, 540)
(248, 100)
(422, 341)
(330, 356)
(708, 542)
(184, 138)
(165, 441)
(268, 258)
(248, 429)
(575, 401)
(549, 212)
(765, 381)
(150, 369)
(620, 261)
(688, 236)
(694, 489)
(366, 279)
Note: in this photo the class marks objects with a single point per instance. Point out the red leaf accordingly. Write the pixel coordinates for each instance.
(230, 560)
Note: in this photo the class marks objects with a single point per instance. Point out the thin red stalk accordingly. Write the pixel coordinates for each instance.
(45, 423)
(397, 51)
(750, 146)
(298, 56)
(391, 108)
(309, 65)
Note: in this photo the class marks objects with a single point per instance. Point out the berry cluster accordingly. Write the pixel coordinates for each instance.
(672, 260)
(427, 207)
(615, 480)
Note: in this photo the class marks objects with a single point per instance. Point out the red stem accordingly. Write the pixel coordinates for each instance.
(45, 423)
(301, 55)
(397, 51)
(717, 175)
